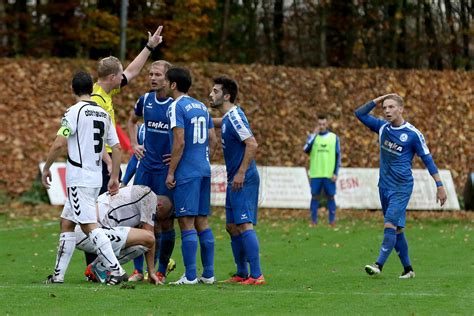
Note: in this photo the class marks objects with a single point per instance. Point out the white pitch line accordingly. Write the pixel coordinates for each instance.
(235, 290)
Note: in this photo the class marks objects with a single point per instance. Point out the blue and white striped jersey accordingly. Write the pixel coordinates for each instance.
(398, 146)
(235, 130)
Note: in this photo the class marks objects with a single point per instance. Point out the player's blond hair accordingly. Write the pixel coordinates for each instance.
(398, 99)
(108, 66)
(167, 65)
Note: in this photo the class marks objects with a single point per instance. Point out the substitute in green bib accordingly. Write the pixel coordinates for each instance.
(324, 150)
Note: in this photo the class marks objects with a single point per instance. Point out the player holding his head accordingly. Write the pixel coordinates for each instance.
(128, 219)
(399, 141)
(85, 128)
(193, 141)
(324, 149)
(243, 182)
(152, 107)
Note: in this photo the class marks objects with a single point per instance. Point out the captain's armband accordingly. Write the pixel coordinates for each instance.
(64, 131)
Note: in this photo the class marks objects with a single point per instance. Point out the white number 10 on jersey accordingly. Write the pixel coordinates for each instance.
(200, 130)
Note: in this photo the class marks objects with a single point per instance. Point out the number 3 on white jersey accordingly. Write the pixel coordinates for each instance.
(200, 129)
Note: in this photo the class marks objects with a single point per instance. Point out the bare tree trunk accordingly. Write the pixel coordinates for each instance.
(465, 33)
(453, 38)
(225, 27)
(323, 60)
(434, 57)
(3, 29)
(267, 31)
(278, 19)
(297, 17)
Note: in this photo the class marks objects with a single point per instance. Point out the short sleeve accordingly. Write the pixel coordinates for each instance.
(112, 138)
(211, 123)
(138, 109)
(69, 120)
(177, 116)
(240, 125)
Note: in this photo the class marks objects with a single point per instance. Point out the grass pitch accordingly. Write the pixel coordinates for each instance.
(313, 271)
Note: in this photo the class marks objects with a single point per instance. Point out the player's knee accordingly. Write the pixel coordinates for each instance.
(315, 197)
(244, 227)
(330, 197)
(232, 229)
(389, 225)
(148, 239)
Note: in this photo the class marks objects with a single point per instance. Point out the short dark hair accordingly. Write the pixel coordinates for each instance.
(322, 117)
(182, 78)
(229, 86)
(82, 83)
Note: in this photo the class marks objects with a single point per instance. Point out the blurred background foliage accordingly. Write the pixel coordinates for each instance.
(433, 34)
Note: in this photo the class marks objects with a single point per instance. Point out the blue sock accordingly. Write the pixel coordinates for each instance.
(138, 263)
(157, 246)
(332, 210)
(401, 246)
(189, 242)
(250, 242)
(166, 249)
(239, 255)
(314, 210)
(389, 240)
(206, 241)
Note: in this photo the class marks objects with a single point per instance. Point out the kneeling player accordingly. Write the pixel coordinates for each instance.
(132, 206)
(127, 243)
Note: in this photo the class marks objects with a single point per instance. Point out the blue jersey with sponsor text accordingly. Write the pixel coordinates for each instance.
(191, 115)
(398, 146)
(156, 140)
(234, 131)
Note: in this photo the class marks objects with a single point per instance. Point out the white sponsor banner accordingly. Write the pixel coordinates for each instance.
(288, 187)
(357, 188)
(280, 187)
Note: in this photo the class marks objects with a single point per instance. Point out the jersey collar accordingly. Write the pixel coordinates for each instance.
(399, 127)
(230, 110)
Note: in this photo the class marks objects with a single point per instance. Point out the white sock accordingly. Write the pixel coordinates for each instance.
(105, 251)
(67, 244)
(130, 253)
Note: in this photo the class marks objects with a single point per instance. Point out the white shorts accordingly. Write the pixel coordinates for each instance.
(80, 205)
(117, 235)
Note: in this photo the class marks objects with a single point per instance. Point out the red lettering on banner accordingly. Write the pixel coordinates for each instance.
(349, 183)
(62, 177)
(218, 187)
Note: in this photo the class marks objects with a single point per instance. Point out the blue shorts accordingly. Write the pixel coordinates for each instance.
(323, 183)
(394, 206)
(156, 182)
(192, 197)
(241, 206)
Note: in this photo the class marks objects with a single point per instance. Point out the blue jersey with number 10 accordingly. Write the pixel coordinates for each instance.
(191, 115)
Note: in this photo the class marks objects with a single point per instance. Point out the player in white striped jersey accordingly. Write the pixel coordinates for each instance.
(85, 128)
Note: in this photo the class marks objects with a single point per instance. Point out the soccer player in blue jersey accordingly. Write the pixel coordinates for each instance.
(240, 147)
(193, 142)
(399, 141)
(152, 107)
